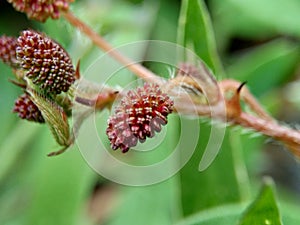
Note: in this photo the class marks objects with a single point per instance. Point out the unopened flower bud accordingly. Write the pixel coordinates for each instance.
(8, 47)
(140, 114)
(41, 10)
(47, 64)
(26, 109)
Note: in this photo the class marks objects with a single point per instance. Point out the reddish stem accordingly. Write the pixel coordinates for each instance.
(134, 67)
(272, 129)
(263, 123)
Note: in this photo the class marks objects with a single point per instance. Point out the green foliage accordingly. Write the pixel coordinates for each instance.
(264, 209)
(35, 189)
(208, 189)
(195, 33)
(266, 66)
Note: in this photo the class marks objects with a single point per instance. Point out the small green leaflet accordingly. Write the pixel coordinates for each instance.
(55, 117)
(264, 210)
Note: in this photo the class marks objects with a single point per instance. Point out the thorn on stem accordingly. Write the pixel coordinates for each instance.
(233, 104)
(17, 83)
(241, 86)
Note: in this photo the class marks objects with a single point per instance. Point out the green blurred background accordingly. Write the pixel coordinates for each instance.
(256, 41)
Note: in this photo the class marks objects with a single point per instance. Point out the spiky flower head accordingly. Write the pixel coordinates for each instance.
(47, 64)
(26, 109)
(8, 47)
(140, 114)
(41, 10)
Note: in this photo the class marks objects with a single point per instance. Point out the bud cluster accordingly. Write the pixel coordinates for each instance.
(43, 70)
(41, 10)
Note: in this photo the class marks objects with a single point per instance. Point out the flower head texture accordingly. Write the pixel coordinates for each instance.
(47, 64)
(41, 10)
(140, 114)
(26, 109)
(8, 47)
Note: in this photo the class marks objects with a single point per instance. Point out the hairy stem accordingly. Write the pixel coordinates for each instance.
(263, 122)
(269, 128)
(134, 67)
(272, 129)
(250, 100)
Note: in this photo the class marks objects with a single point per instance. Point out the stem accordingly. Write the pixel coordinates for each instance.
(271, 128)
(134, 67)
(264, 123)
(233, 85)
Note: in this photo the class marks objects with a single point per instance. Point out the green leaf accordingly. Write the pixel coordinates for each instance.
(225, 215)
(290, 212)
(267, 66)
(257, 21)
(264, 209)
(195, 32)
(280, 16)
(57, 187)
(216, 185)
(54, 116)
(10, 149)
(151, 205)
(166, 19)
(219, 183)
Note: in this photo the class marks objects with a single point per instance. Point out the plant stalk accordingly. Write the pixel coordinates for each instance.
(134, 67)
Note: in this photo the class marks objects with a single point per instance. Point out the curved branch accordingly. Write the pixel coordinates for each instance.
(134, 67)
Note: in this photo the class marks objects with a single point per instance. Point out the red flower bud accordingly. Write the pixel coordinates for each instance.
(139, 115)
(48, 65)
(8, 47)
(41, 10)
(26, 109)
